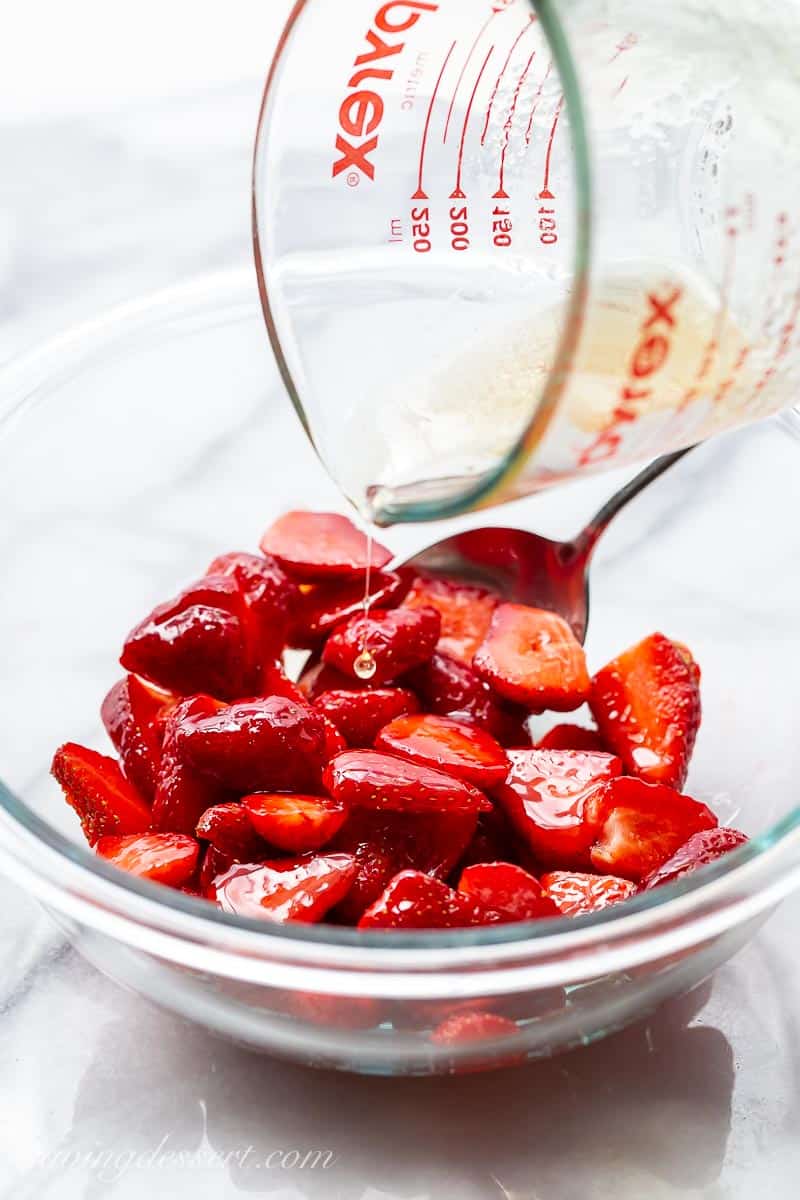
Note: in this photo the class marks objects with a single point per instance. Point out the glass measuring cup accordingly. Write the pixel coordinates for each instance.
(500, 243)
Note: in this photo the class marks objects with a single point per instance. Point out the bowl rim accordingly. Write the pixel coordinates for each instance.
(73, 880)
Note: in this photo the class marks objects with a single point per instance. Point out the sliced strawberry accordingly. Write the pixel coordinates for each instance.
(257, 745)
(295, 823)
(360, 716)
(397, 640)
(335, 1012)
(182, 793)
(507, 889)
(270, 594)
(215, 863)
(385, 843)
(576, 894)
(199, 642)
(545, 798)
(367, 779)
(466, 613)
(647, 705)
(465, 1027)
(319, 545)
(303, 890)
(572, 737)
(169, 858)
(700, 850)
(100, 794)
(415, 901)
(640, 825)
(319, 678)
(532, 657)
(455, 747)
(323, 606)
(228, 828)
(493, 841)
(690, 661)
(131, 713)
(452, 689)
(275, 682)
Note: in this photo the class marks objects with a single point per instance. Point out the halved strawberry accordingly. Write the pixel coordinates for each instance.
(269, 592)
(295, 823)
(451, 689)
(182, 793)
(319, 545)
(95, 787)
(647, 705)
(257, 745)
(572, 737)
(700, 850)
(466, 612)
(640, 825)
(131, 713)
(532, 657)
(169, 858)
(493, 841)
(303, 890)
(382, 782)
(360, 716)
(455, 747)
(228, 828)
(545, 798)
(323, 606)
(319, 678)
(464, 1027)
(215, 864)
(575, 893)
(507, 889)
(386, 843)
(275, 682)
(199, 642)
(397, 640)
(415, 901)
(335, 1012)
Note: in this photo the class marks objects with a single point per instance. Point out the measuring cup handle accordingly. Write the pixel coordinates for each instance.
(588, 539)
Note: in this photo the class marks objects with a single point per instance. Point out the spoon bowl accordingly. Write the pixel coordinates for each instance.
(525, 568)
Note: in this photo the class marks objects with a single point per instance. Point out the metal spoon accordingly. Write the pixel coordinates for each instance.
(528, 569)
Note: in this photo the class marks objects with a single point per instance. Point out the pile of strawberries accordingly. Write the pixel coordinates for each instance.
(413, 800)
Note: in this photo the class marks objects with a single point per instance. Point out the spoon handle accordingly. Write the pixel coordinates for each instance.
(621, 499)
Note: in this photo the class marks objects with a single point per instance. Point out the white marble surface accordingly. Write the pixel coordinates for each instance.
(117, 181)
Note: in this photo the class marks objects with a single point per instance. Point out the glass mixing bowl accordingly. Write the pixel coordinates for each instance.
(138, 448)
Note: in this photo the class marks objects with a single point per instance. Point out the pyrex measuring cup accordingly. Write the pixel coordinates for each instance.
(500, 243)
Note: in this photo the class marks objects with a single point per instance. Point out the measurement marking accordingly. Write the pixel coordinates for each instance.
(628, 42)
(736, 370)
(420, 193)
(501, 193)
(458, 194)
(712, 349)
(467, 61)
(500, 78)
(727, 283)
(780, 248)
(545, 193)
(536, 100)
(784, 346)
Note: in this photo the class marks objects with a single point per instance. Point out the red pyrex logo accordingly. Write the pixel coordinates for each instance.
(362, 110)
(649, 357)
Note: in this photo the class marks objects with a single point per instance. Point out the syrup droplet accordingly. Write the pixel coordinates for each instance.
(365, 665)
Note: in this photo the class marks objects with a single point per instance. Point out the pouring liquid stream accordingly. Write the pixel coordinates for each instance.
(365, 665)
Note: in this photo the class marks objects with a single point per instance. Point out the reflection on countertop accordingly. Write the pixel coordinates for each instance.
(112, 1098)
